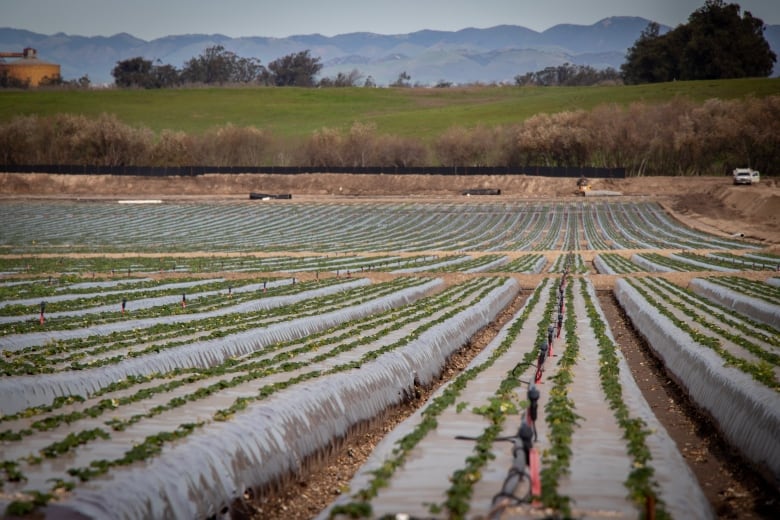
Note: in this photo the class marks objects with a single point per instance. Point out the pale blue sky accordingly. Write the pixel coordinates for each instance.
(149, 19)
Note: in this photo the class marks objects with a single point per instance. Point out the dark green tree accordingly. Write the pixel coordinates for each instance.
(294, 70)
(212, 66)
(717, 42)
(52, 81)
(567, 75)
(722, 44)
(653, 58)
(247, 70)
(166, 76)
(133, 72)
(219, 66)
(140, 73)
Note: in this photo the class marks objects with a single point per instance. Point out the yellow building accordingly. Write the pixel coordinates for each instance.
(27, 67)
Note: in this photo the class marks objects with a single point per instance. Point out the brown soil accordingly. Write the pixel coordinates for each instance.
(710, 204)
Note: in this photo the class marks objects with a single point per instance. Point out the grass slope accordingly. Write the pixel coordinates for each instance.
(289, 112)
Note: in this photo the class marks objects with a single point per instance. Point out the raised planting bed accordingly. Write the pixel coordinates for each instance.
(731, 377)
(337, 227)
(604, 453)
(757, 300)
(20, 392)
(705, 263)
(655, 262)
(748, 261)
(613, 263)
(304, 321)
(335, 380)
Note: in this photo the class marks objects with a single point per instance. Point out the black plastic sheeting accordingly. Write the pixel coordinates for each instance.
(264, 196)
(482, 191)
(190, 171)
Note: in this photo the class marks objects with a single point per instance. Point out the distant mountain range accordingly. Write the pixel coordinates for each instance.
(496, 54)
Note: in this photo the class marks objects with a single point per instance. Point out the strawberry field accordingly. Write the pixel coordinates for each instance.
(184, 359)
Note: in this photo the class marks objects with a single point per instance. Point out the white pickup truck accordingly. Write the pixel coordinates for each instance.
(746, 176)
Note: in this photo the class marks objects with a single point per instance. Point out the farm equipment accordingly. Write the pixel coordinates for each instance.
(583, 186)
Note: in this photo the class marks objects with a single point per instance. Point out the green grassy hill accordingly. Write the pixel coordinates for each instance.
(421, 113)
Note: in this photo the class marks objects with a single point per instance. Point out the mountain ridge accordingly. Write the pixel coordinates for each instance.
(469, 55)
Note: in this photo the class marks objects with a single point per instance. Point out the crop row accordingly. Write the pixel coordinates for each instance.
(613, 263)
(339, 227)
(97, 341)
(81, 303)
(194, 391)
(760, 290)
(728, 364)
(223, 336)
(758, 300)
(447, 459)
(162, 385)
(83, 270)
(749, 261)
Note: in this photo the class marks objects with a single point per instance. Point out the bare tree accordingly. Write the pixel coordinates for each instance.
(403, 80)
(342, 80)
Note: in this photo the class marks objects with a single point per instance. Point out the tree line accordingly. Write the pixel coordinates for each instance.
(718, 41)
(678, 137)
(218, 66)
(568, 75)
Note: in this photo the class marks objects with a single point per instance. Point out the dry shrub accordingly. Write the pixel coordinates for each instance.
(757, 143)
(646, 136)
(674, 137)
(324, 148)
(107, 141)
(58, 139)
(17, 140)
(460, 146)
(719, 135)
(40, 140)
(361, 147)
(73, 139)
(172, 149)
(612, 139)
(680, 137)
(396, 151)
(230, 146)
(560, 139)
(511, 150)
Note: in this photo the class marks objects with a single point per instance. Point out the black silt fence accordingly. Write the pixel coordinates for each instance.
(191, 171)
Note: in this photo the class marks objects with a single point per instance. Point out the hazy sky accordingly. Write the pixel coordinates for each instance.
(149, 19)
